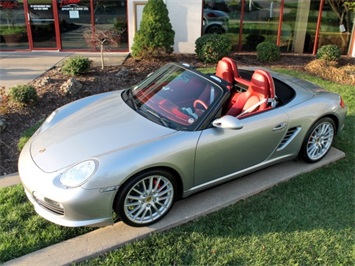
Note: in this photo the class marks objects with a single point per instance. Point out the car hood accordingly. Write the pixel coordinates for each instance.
(103, 126)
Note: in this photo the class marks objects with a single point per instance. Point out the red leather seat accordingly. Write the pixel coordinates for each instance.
(258, 97)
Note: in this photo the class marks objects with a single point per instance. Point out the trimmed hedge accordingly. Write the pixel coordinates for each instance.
(329, 52)
(267, 51)
(212, 47)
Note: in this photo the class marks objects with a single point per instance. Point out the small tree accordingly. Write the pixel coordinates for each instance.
(155, 35)
(100, 38)
(342, 9)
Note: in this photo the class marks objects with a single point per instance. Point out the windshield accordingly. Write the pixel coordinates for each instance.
(176, 96)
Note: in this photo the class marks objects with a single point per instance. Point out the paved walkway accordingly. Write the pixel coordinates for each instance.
(111, 237)
(22, 67)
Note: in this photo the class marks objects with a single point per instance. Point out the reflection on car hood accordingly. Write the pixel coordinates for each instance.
(106, 125)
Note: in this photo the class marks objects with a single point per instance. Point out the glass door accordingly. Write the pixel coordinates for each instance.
(42, 26)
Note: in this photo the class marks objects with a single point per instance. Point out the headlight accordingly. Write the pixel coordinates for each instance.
(78, 174)
(46, 123)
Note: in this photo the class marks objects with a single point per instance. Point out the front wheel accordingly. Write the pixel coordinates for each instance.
(146, 198)
(214, 29)
(318, 140)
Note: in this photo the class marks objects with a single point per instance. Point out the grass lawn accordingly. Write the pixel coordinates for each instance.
(308, 220)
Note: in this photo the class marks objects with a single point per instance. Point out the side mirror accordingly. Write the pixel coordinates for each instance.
(228, 122)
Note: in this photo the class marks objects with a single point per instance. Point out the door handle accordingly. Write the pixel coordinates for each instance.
(280, 126)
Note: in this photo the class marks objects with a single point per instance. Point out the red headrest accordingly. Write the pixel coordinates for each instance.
(224, 70)
(262, 83)
(233, 65)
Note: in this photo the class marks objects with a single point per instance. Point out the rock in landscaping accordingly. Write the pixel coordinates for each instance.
(122, 73)
(44, 81)
(71, 86)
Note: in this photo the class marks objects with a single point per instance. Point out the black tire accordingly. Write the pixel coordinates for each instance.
(146, 198)
(214, 29)
(318, 140)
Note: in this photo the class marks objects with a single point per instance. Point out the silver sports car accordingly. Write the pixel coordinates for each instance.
(136, 151)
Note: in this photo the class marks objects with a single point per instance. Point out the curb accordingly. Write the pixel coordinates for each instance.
(9, 180)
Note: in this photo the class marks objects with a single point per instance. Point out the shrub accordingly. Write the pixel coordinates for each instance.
(74, 66)
(155, 35)
(24, 94)
(212, 47)
(12, 30)
(329, 52)
(267, 51)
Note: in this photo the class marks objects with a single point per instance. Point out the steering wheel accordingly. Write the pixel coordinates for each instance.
(201, 103)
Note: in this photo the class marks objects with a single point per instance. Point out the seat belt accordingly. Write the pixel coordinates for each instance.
(251, 108)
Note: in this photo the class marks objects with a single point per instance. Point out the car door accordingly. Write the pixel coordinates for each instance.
(222, 152)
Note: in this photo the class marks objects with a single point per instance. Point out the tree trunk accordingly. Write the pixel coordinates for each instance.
(102, 56)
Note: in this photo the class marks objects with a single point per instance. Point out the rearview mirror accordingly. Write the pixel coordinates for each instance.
(228, 122)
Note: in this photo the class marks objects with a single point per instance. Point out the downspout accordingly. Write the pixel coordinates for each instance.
(352, 41)
(241, 26)
(316, 41)
(279, 30)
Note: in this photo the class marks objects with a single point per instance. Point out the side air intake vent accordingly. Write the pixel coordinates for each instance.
(290, 135)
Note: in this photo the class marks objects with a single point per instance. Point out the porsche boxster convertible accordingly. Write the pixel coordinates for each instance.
(131, 153)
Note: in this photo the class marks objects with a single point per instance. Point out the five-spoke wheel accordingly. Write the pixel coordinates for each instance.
(318, 140)
(146, 198)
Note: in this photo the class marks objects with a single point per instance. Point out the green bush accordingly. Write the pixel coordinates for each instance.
(24, 94)
(212, 47)
(74, 66)
(267, 51)
(155, 35)
(329, 52)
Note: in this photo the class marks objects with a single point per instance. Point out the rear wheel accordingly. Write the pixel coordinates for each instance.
(318, 140)
(146, 198)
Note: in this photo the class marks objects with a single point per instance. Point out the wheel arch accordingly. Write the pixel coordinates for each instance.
(176, 175)
(332, 117)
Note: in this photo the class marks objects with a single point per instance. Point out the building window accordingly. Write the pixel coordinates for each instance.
(62, 24)
(249, 22)
(336, 26)
(75, 19)
(111, 21)
(13, 33)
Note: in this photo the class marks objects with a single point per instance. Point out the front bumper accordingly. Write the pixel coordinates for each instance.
(72, 207)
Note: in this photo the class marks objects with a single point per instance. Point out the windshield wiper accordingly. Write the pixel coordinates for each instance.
(163, 120)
